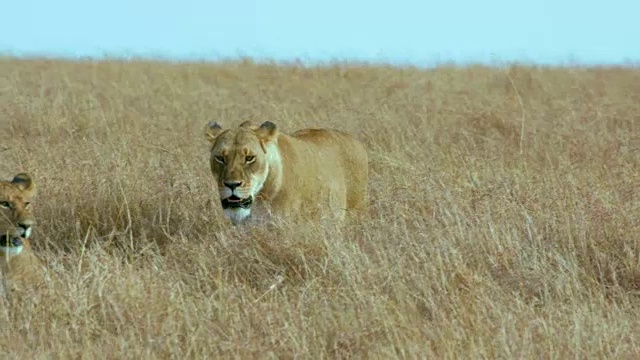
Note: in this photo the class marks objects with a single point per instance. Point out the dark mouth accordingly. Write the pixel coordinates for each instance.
(233, 202)
(8, 241)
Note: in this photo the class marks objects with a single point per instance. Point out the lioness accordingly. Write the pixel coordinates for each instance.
(259, 169)
(16, 223)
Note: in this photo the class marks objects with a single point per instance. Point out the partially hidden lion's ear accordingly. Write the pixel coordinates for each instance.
(212, 130)
(268, 131)
(23, 182)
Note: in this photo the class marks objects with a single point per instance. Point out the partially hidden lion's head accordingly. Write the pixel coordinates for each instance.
(16, 220)
(240, 162)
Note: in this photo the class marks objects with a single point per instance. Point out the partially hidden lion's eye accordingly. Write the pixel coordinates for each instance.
(27, 205)
(249, 159)
(5, 204)
(219, 159)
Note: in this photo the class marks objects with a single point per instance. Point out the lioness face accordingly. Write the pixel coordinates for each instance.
(239, 163)
(16, 220)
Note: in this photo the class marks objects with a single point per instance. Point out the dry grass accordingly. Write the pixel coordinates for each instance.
(503, 220)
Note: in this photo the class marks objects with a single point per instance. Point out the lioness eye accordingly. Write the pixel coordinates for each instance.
(249, 159)
(219, 159)
(27, 204)
(5, 204)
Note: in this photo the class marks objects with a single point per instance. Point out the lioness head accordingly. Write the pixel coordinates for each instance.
(15, 213)
(240, 162)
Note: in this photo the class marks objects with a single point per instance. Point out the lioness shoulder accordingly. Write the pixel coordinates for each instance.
(260, 170)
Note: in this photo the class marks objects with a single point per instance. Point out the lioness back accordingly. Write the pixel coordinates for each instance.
(351, 155)
(309, 172)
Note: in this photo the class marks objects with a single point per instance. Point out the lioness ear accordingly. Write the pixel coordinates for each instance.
(268, 131)
(24, 183)
(212, 130)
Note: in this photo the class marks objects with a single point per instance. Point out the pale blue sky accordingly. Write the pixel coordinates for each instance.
(406, 31)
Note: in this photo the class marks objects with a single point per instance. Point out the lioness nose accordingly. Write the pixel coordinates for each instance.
(232, 184)
(25, 230)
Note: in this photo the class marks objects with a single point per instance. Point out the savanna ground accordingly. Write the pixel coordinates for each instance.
(502, 221)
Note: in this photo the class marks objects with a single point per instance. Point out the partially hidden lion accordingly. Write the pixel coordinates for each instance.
(261, 172)
(16, 223)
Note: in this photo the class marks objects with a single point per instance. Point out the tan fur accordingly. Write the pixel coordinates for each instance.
(16, 222)
(308, 173)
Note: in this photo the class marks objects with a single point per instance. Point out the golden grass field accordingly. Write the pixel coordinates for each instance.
(503, 216)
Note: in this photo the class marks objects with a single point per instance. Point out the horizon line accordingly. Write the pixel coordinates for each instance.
(310, 61)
